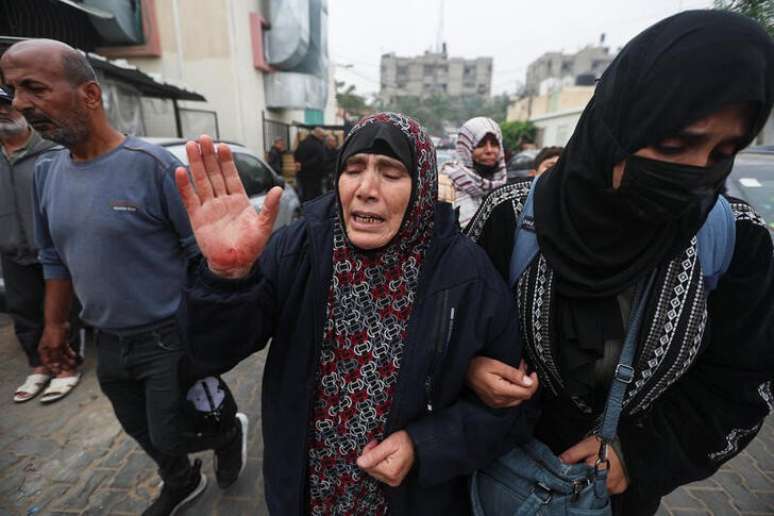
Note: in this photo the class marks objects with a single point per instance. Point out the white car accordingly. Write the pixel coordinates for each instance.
(444, 155)
(256, 175)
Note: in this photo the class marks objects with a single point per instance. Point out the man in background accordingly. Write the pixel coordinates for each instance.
(111, 227)
(21, 147)
(331, 156)
(275, 154)
(310, 154)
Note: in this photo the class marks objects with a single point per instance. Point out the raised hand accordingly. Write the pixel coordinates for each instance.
(230, 234)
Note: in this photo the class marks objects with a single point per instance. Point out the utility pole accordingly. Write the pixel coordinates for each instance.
(439, 46)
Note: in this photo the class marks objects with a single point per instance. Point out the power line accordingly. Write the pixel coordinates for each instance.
(363, 76)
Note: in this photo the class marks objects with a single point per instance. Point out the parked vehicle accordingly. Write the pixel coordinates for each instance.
(257, 176)
(444, 155)
(520, 164)
(752, 179)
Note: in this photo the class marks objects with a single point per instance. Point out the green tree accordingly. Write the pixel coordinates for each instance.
(760, 10)
(438, 111)
(516, 131)
(348, 99)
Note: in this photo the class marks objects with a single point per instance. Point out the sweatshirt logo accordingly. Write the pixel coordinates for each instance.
(122, 206)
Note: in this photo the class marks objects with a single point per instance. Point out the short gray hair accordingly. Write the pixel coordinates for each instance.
(77, 69)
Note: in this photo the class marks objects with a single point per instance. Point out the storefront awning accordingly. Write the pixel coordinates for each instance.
(148, 85)
(91, 11)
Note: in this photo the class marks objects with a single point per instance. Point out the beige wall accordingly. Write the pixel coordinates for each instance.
(216, 60)
(522, 109)
(574, 97)
(556, 129)
(567, 99)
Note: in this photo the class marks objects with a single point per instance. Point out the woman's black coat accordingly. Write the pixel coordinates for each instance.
(284, 301)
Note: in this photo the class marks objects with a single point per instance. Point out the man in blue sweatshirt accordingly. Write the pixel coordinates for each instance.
(110, 227)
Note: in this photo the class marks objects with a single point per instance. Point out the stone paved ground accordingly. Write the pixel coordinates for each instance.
(71, 457)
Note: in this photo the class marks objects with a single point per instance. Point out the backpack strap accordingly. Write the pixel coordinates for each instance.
(525, 244)
(716, 241)
(624, 372)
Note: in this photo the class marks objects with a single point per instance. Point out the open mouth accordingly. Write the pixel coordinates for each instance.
(366, 218)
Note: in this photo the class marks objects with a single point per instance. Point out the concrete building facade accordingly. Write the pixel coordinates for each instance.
(217, 45)
(207, 43)
(589, 62)
(562, 99)
(434, 74)
(555, 114)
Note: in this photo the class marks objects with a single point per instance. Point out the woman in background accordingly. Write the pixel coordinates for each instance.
(479, 167)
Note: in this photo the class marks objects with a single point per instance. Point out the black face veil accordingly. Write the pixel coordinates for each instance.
(683, 68)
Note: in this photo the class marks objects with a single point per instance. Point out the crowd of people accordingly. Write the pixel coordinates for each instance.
(437, 339)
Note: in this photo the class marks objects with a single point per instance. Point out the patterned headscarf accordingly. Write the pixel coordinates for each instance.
(462, 171)
(370, 300)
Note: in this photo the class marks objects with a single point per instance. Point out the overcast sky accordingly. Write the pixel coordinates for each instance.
(513, 32)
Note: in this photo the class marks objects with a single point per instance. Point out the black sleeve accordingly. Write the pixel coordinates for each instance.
(495, 236)
(718, 406)
(224, 321)
(311, 156)
(466, 435)
(275, 160)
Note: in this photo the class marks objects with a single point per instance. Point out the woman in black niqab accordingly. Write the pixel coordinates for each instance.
(702, 381)
(674, 73)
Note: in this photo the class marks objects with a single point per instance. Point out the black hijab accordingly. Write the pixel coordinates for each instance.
(379, 136)
(672, 74)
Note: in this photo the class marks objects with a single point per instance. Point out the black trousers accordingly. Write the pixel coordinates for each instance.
(25, 291)
(140, 374)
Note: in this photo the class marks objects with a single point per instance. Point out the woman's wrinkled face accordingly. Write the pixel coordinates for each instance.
(703, 143)
(487, 150)
(374, 191)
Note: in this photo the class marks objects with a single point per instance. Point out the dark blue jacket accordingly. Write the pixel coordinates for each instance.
(284, 300)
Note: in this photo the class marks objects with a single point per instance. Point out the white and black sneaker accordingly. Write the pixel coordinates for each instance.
(231, 460)
(171, 500)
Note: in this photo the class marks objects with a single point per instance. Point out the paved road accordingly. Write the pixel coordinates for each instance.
(72, 458)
